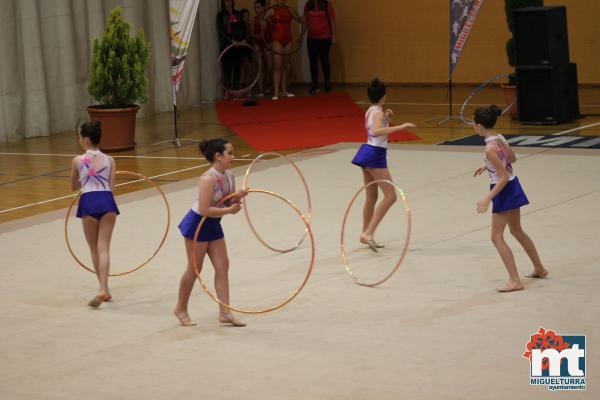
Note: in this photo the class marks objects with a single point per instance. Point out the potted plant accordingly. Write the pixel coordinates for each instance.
(510, 90)
(118, 82)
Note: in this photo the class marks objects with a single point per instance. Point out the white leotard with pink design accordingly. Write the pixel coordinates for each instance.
(500, 145)
(222, 187)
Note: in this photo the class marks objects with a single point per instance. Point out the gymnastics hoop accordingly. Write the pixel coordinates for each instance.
(406, 242)
(265, 310)
(474, 92)
(220, 76)
(309, 213)
(141, 177)
(269, 46)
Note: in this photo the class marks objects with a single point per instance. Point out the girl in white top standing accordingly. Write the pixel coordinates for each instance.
(507, 197)
(372, 158)
(214, 185)
(94, 173)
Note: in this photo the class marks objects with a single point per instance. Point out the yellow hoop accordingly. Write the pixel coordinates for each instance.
(406, 243)
(309, 214)
(261, 311)
(142, 177)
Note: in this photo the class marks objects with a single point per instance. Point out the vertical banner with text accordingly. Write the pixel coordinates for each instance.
(462, 18)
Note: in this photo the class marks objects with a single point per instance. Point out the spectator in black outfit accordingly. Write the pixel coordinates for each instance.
(231, 29)
(247, 76)
(319, 17)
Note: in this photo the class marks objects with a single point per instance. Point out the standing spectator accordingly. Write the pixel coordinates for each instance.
(232, 30)
(261, 39)
(247, 73)
(281, 17)
(319, 16)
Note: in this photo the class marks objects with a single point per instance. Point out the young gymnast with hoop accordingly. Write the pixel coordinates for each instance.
(94, 173)
(507, 197)
(372, 158)
(214, 185)
(281, 16)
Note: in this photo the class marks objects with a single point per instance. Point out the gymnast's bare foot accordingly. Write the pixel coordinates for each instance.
(100, 297)
(538, 273)
(184, 318)
(370, 242)
(511, 286)
(230, 319)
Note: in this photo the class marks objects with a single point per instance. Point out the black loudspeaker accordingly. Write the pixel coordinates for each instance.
(547, 94)
(540, 36)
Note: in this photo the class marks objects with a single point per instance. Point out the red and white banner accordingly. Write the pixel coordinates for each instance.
(182, 14)
(462, 18)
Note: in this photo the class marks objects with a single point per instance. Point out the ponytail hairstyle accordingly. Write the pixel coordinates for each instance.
(487, 116)
(209, 148)
(92, 131)
(375, 90)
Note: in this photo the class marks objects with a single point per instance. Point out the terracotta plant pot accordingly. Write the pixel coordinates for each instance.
(510, 96)
(118, 127)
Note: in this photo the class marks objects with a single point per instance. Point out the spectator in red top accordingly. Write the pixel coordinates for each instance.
(319, 17)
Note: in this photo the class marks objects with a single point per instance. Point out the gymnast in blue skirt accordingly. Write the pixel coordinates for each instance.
(507, 198)
(94, 173)
(214, 185)
(372, 158)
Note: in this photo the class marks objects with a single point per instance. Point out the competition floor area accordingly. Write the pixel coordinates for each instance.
(436, 330)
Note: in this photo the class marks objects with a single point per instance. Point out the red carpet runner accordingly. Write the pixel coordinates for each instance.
(299, 122)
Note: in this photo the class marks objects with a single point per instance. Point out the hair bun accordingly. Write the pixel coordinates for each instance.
(495, 110)
(202, 146)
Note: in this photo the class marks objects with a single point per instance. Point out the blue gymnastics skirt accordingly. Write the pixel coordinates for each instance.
(96, 204)
(510, 197)
(369, 156)
(211, 229)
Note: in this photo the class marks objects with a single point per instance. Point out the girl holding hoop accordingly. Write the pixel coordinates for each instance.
(507, 197)
(372, 158)
(281, 16)
(214, 185)
(94, 173)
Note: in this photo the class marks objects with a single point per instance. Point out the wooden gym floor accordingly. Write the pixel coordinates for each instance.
(34, 172)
